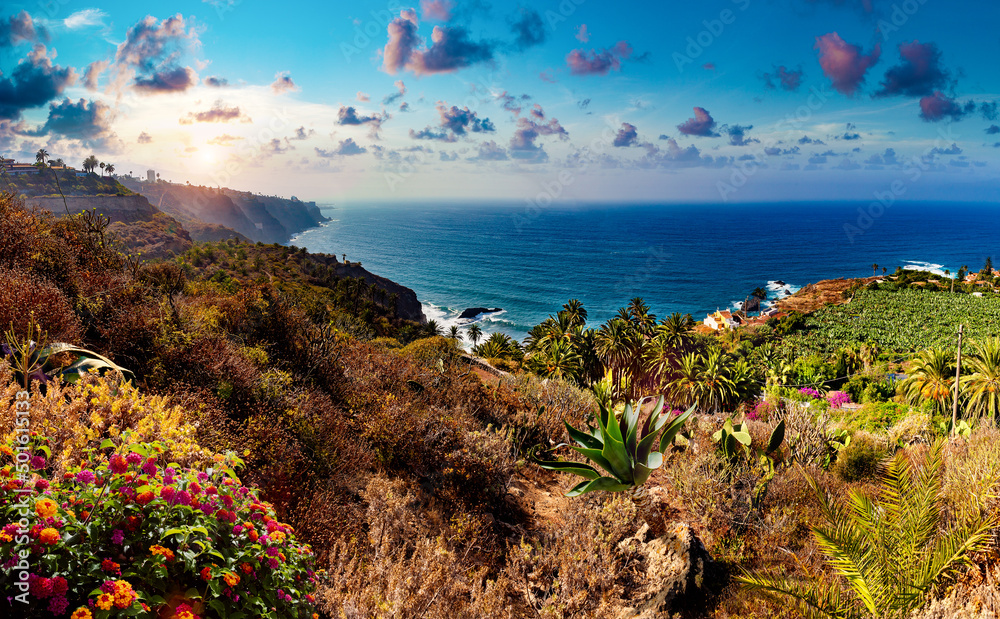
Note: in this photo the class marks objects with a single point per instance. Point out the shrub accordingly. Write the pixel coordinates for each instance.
(859, 460)
(428, 351)
(25, 298)
(879, 415)
(129, 533)
(837, 399)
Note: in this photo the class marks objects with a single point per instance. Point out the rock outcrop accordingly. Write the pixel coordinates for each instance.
(118, 208)
(676, 566)
(472, 312)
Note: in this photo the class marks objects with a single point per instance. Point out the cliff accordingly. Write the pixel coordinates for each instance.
(408, 306)
(268, 219)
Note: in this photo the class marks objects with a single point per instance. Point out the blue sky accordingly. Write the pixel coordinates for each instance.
(733, 100)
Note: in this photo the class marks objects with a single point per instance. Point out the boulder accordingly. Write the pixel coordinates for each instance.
(472, 312)
(676, 565)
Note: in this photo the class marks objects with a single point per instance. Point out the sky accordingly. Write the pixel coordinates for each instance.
(734, 101)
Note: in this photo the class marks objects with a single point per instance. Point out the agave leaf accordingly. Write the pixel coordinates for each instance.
(565, 466)
(601, 483)
(614, 452)
(654, 461)
(644, 447)
(673, 428)
(584, 439)
(777, 437)
(596, 456)
(86, 360)
(611, 429)
(631, 427)
(640, 473)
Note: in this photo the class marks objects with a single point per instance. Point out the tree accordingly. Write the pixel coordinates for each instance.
(41, 156)
(759, 292)
(90, 164)
(930, 379)
(102, 168)
(576, 312)
(432, 328)
(874, 269)
(110, 169)
(475, 334)
(983, 384)
(890, 551)
(453, 333)
(987, 270)
(559, 360)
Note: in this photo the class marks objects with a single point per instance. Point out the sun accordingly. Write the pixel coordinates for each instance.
(207, 155)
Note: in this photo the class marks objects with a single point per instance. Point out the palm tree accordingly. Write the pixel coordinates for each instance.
(983, 384)
(475, 334)
(716, 387)
(558, 361)
(931, 379)
(639, 313)
(110, 169)
(453, 333)
(759, 292)
(617, 343)
(41, 156)
(685, 386)
(90, 164)
(874, 269)
(890, 551)
(102, 168)
(677, 328)
(432, 328)
(576, 312)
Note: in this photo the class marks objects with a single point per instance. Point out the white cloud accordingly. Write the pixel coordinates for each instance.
(85, 18)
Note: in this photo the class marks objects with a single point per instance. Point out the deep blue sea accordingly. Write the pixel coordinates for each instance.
(679, 258)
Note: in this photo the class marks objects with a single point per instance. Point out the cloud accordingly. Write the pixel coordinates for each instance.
(85, 18)
(582, 34)
(598, 62)
(214, 81)
(547, 76)
(92, 75)
(511, 103)
(939, 106)
(455, 122)
(663, 136)
(396, 96)
(436, 10)
(919, 74)
(283, 83)
(843, 63)
(150, 54)
(224, 140)
(450, 50)
(676, 156)
(954, 149)
(848, 164)
(627, 136)
(849, 134)
(584, 104)
(177, 79)
(490, 151)
(808, 140)
(87, 121)
(347, 115)
(346, 148)
(787, 79)
(219, 113)
(528, 29)
(18, 29)
(702, 124)
(522, 143)
(992, 130)
(144, 138)
(302, 134)
(886, 158)
(34, 82)
(738, 134)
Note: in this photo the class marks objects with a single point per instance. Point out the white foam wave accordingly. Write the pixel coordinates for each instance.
(919, 265)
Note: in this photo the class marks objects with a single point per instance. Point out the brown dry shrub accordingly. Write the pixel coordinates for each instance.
(581, 570)
(25, 297)
(409, 565)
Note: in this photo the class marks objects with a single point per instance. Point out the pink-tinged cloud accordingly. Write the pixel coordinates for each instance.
(627, 136)
(363, 97)
(582, 34)
(17, 29)
(32, 83)
(451, 48)
(547, 76)
(522, 143)
(701, 125)
(598, 62)
(787, 79)
(93, 73)
(219, 113)
(919, 74)
(938, 106)
(843, 63)
(436, 10)
(403, 41)
(283, 83)
(177, 79)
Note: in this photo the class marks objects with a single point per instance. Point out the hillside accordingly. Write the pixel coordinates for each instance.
(44, 184)
(267, 219)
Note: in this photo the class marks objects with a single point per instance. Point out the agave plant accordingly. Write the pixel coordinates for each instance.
(40, 362)
(628, 451)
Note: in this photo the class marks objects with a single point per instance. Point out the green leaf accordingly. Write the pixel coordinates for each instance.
(597, 455)
(584, 439)
(777, 437)
(742, 436)
(673, 428)
(107, 444)
(565, 466)
(621, 464)
(602, 483)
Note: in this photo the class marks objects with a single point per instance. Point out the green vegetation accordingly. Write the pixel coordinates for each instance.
(45, 184)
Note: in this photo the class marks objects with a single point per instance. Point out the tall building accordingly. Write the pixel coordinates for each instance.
(151, 176)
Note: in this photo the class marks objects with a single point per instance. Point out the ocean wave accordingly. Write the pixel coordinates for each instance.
(919, 265)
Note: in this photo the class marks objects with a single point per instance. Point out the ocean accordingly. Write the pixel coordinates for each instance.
(692, 258)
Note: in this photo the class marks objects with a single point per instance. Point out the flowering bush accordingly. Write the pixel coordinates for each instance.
(812, 393)
(838, 398)
(127, 534)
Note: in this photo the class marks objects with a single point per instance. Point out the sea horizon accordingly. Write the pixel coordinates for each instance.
(680, 257)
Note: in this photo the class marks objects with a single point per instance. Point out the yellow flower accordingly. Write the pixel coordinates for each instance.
(82, 613)
(166, 553)
(105, 601)
(49, 536)
(231, 579)
(46, 508)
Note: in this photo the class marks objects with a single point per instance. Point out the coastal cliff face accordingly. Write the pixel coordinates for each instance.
(408, 306)
(268, 219)
(118, 208)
